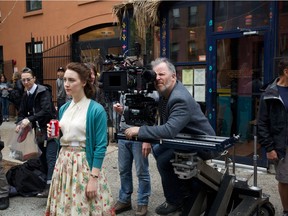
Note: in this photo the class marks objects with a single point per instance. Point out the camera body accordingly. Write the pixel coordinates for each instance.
(140, 110)
(136, 83)
(128, 79)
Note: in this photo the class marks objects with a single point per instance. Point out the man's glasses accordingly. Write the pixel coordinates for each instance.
(26, 80)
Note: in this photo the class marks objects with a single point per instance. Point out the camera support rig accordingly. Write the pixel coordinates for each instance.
(222, 193)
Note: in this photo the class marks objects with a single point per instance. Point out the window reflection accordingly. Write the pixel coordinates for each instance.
(188, 33)
(176, 18)
(150, 46)
(230, 15)
(283, 29)
(193, 16)
(239, 79)
(33, 5)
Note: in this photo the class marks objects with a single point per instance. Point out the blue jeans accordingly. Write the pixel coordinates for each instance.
(48, 156)
(5, 107)
(127, 151)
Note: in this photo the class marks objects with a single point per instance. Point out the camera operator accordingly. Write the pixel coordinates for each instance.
(179, 112)
(127, 151)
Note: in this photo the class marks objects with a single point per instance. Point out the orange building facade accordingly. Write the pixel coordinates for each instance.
(44, 35)
(55, 18)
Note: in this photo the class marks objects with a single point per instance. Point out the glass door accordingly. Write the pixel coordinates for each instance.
(240, 73)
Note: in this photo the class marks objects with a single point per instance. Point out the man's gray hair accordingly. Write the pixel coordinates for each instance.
(158, 61)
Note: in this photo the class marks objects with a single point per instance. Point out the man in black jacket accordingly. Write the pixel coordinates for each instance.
(37, 108)
(4, 187)
(273, 130)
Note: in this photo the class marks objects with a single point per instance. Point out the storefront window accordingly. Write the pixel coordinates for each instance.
(194, 79)
(230, 15)
(283, 29)
(188, 33)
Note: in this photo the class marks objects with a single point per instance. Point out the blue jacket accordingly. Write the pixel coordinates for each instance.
(96, 133)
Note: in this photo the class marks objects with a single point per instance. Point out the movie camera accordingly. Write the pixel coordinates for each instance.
(127, 75)
(129, 78)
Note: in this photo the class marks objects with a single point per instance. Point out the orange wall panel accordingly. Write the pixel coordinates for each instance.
(55, 18)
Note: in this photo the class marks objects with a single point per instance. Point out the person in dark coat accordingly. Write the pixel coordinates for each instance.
(37, 108)
(17, 91)
(4, 187)
(60, 91)
(273, 129)
(179, 113)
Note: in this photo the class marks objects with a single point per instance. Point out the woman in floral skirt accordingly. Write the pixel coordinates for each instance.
(79, 185)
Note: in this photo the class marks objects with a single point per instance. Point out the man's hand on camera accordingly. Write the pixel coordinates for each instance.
(146, 149)
(130, 132)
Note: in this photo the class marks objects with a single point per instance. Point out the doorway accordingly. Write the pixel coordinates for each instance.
(94, 43)
(240, 75)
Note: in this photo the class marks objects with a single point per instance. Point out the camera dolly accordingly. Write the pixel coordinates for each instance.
(216, 193)
(221, 193)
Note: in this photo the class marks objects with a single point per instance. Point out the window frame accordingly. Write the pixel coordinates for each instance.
(33, 5)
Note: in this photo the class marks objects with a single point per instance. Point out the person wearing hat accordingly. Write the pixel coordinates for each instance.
(60, 91)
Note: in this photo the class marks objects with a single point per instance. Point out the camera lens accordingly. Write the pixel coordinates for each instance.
(149, 75)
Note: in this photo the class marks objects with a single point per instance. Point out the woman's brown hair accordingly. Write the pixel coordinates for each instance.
(84, 73)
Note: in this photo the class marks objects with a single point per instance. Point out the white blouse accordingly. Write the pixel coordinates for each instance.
(73, 123)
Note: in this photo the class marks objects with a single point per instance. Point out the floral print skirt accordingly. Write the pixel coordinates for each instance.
(67, 191)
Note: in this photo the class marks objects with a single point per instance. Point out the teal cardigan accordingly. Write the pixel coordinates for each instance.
(96, 133)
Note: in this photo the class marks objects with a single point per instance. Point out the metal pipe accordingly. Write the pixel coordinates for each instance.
(255, 156)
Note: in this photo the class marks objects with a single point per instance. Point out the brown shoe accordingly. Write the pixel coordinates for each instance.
(141, 210)
(121, 207)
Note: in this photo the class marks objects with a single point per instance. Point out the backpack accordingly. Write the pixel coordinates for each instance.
(14, 96)
(28, 178)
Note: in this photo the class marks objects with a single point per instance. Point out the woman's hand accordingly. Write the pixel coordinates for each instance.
(49, 131)
(91, 189)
